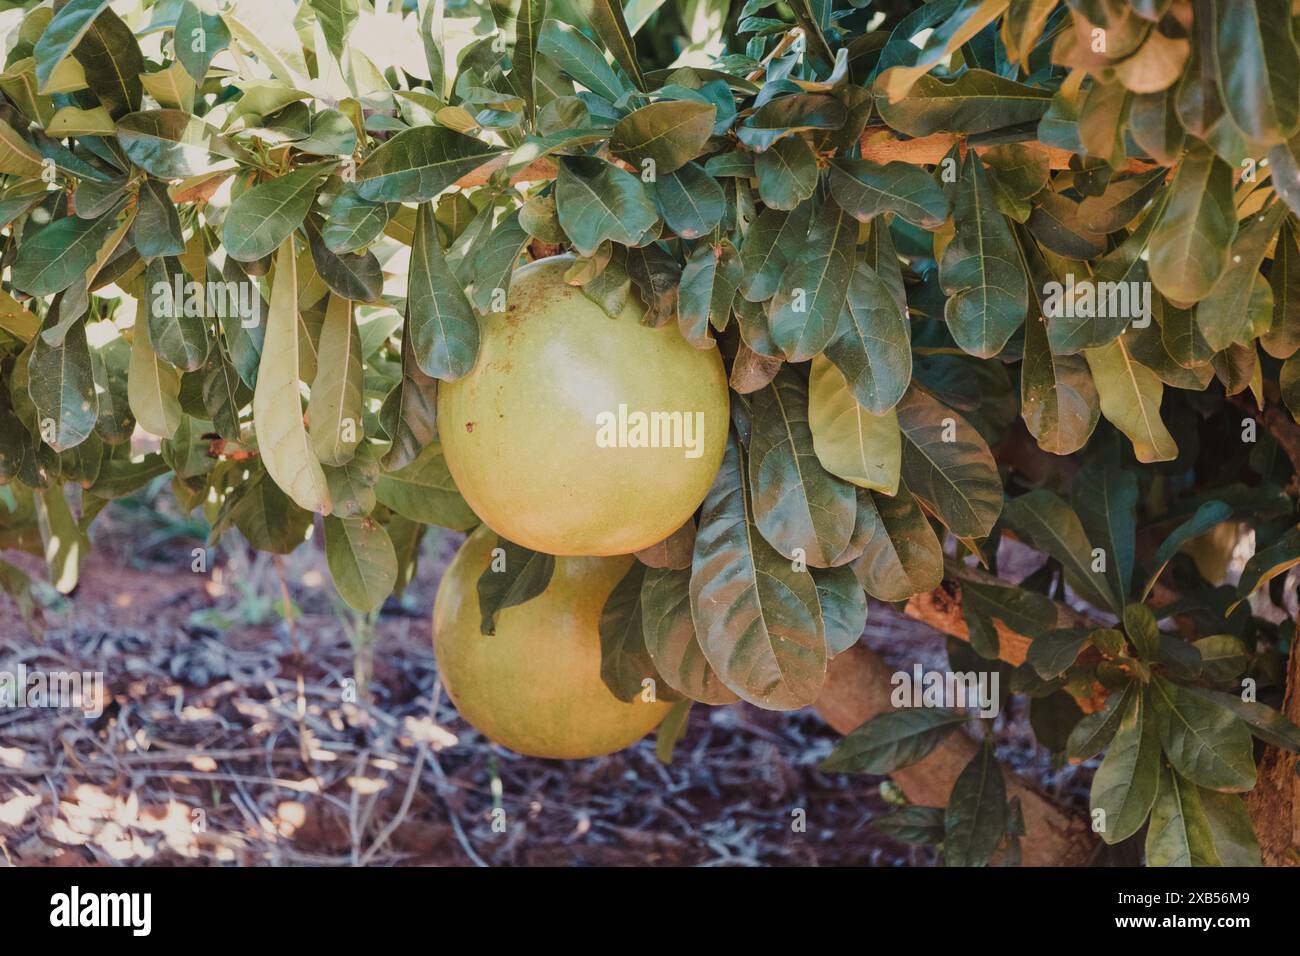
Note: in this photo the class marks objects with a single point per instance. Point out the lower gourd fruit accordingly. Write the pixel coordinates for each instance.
(551, 438)
(534, 686)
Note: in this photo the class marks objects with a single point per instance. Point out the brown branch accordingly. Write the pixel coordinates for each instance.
(858, 687)
(1274, 804)
(878, 145)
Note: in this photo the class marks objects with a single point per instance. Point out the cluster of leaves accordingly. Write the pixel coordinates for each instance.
(885, 321)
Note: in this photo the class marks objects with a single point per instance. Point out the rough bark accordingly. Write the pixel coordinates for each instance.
(1274, 804)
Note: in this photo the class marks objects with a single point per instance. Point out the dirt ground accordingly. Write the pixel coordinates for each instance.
(228, 736)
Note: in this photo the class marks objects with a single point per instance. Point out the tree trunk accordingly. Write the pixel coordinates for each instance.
(1274, 804)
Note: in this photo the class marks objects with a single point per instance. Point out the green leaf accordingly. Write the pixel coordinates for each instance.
(361, 560)
(224, 394)
(844, 605)
(804, 312)
(173, 144)
(1190, 247)
(513, 577)
(1208, 514)
(872, 343)
(523, 61)
(1206, 743)
(260, 220)
(707, 291)
(758, 620)
(802, 511)
(1053, 653)
(156, 230)
(61, 382)
(902, 557)
(974, 102)
(893, 740)
(424, 491)
(215, 37)
(353, 223)
(111, 58)
(690, 201)
(581, 59)
(1283, 336)
(153, 388)
(976, 818)
(784, 116)
(767, 249)
(669, 635)
(1257, 65)
(417, 164)
(1140, 626)
(948, 466)
(1224, 315)
(1130, 396)
(1267, 563)
(959, 25)
(913, 825)
(1180, 832)
(409, 413)
(1058, 398)
(178, 332)
(1051, 525)
(336, 19)
(355, 276)
(62, 35)
(441, 322)
(495, 262)
(1223, 656)
(17, 157)
(598, 202)
(335, 409)
(624, 660)
(1233, 832)
(1105, 499)
(787, 173)
(63, 542)
(981, 269)
(282, 440)
(1124, 786)
(1094, 732)
(851, 442)
(56, 255)
(606, 18)
(1265, 723)
(667, 135)
(1120, 203)
(866, 190)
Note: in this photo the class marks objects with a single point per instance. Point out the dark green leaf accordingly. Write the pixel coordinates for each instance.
(514, 576)
(1205, 742)
(417, 164)
(669, 634)
(663, 136)
(264, 216)
(758, 620)
(866, 189)
(976, 818)
(893, 740)
(981, 269)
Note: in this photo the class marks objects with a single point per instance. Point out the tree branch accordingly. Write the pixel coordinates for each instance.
(858, 687)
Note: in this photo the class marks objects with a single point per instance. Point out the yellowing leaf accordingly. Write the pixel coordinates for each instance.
(850, 442)
(277, 404)
(1130, 399)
